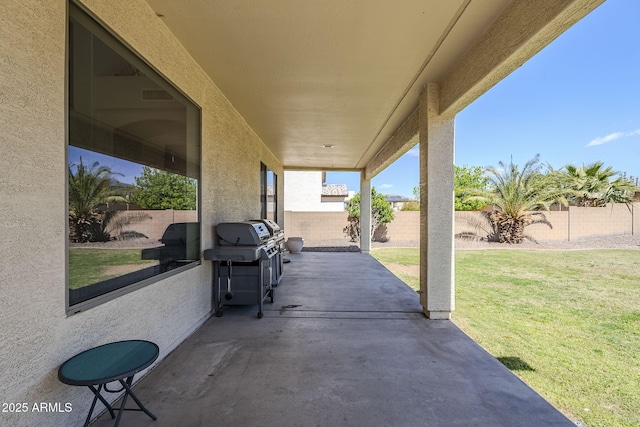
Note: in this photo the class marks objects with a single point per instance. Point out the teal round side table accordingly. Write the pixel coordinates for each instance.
(117, 361)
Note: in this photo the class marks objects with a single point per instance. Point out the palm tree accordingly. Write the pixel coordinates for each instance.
(593, 185)
(517, 197)
(90, 187)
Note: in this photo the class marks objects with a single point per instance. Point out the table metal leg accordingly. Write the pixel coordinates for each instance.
(124, 402)
(97, 396)
(127, 386)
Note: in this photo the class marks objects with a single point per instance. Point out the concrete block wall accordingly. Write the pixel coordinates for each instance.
(559, 229)
(154, 228)
(320, 226)
(576, 223)
(476, 223)
(572, 224)
(405, 226)
(609, 220)
(471, 223)
(315, 226)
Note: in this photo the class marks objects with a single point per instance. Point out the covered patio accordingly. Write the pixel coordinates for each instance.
(230, 94)
(350, 86)
(344, 344)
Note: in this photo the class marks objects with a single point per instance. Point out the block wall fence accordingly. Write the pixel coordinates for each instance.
(569, 225)
(159, 220)
(576, 223)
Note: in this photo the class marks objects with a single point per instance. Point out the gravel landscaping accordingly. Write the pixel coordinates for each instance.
(611, 242)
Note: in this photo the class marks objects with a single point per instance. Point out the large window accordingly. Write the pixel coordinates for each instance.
(134, 170)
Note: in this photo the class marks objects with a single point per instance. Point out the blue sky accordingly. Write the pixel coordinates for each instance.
(125, 171)
(575, 102)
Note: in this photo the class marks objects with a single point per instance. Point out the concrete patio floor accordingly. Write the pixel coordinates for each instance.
(344, 344)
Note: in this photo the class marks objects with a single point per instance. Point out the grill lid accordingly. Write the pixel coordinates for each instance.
(273, 228)
(242, 233)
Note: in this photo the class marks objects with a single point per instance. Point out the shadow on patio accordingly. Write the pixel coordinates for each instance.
(344, 344)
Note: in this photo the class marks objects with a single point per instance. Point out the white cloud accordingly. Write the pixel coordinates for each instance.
(414, 152)
(612, 137)
(386, 186)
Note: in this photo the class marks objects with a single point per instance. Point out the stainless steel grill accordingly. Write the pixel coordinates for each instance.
(181, 246)
(242, 260)
(277, 262)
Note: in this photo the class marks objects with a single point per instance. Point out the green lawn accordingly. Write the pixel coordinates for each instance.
(88, 266)
(566, 322)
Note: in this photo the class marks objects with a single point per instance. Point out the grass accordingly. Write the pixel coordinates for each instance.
(566, 322)
(88, 266)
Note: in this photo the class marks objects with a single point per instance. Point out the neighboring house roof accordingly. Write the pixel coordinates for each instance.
(335, 190)
(396, 198)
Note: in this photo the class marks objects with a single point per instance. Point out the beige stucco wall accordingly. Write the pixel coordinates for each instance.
(36, 334)
(302, 191)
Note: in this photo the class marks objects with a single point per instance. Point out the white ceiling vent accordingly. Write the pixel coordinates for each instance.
(156, 95)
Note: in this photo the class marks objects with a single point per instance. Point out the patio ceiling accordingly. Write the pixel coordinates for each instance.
(310, 74)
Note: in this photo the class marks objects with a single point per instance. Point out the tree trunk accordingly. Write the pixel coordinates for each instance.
(510, 230)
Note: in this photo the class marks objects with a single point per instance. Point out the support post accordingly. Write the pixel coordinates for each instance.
(365, 213)
(437, 295)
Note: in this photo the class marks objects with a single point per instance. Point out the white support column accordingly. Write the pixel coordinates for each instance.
(365, 214)
(436, 207)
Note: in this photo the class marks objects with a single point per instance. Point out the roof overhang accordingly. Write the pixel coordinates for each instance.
(334, 84)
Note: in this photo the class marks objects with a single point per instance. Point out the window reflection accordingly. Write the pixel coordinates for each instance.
(134, 167)
(268, 193)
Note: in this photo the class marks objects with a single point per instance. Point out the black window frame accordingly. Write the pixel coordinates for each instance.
(264, 193)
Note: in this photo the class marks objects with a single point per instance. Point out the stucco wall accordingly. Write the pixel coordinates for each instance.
(302, 190)
(35, 333)
(303, 193)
